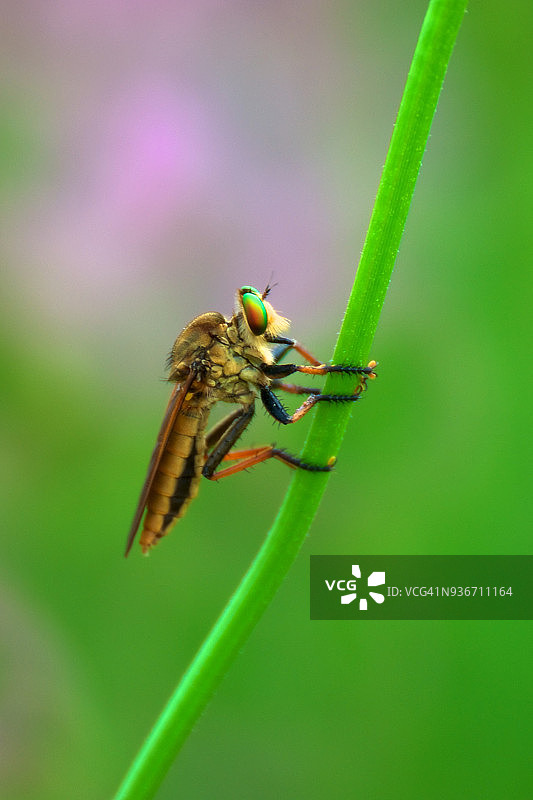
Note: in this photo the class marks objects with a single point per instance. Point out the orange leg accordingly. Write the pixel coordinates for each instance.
(293, 388)
(283, 370)
(305, 353)
(283, 345)
(276, 409)
(251, 457)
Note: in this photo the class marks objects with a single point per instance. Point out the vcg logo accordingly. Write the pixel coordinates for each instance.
(348, 587)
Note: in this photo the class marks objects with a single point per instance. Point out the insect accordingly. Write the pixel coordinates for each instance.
(233, 361)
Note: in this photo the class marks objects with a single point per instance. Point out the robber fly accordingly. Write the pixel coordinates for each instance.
(234, 361)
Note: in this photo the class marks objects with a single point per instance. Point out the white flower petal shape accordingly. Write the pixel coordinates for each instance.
(347, 598)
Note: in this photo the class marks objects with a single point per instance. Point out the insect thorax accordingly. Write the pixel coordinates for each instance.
(235, 373)
(228, 366)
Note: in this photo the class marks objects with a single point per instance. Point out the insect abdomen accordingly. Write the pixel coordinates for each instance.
(178, 476)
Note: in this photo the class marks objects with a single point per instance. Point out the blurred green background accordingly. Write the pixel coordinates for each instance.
(154, 157)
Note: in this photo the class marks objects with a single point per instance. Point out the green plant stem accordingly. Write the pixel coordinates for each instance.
(433, 51)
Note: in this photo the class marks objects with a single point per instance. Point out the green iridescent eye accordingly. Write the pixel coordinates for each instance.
(250, 290)
(254, 310)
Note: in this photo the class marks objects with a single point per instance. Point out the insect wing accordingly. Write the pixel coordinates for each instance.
(173, 409)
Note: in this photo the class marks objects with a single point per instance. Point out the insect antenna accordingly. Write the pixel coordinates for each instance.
(269, 286)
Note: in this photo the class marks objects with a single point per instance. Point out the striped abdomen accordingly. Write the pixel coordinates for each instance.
(179, 473)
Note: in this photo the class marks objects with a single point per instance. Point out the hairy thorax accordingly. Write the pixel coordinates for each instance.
(228, 365)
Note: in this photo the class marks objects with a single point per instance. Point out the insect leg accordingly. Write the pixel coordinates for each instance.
(285, 344)
(283, 370)
(221, 427)
(276, 409)
(258, 454)
(229, 430)
(293, 388)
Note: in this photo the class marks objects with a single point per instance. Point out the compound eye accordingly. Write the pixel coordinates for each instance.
(254, 310)
(250, 290)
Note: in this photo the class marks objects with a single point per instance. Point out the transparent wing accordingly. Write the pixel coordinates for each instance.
(173, 409)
